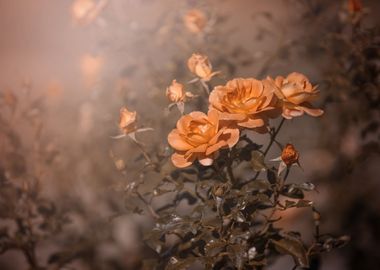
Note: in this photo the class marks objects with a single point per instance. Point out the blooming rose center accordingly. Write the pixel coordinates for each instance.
(200, 132)
(242, 101)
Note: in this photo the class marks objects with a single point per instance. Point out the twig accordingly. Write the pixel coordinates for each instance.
(148, 205)
(272, 140)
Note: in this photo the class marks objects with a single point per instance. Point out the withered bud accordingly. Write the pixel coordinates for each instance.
(201, 66)
(127, 122)
(176, 92)
(289, 155)
(355, 6)
(195, 20)
(220, 190)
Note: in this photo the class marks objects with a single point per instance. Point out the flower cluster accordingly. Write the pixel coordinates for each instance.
(242, 103)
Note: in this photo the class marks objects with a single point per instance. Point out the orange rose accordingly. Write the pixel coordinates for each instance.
(296, 92)
(195, 20)
(200, 136)
(248, 102)
(127, 123)
(176, 92)
(201, 66)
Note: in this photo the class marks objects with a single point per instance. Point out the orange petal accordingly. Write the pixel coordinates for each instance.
(232, 116)
(252, 123)
(205, 160)
(177, 142)
(215, 147)
(200, 149)
(180, 161)
(234, 136)
(310, 110)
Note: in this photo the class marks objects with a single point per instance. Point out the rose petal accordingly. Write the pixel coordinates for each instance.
(205, 161)
(177, 142)
(252, 123)
(310, 110)
(234, 136)
(180, 161)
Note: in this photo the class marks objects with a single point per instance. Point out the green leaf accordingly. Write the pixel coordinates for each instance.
(293, 247)
(298, 204)
(180, 264)
(258, 184)
(292, 191)
(257, 161)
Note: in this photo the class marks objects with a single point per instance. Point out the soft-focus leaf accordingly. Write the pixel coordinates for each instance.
(255, 185)
(295, 248)
(292, 191)
(257, 161)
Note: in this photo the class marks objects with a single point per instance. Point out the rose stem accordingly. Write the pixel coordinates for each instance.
(273, 138)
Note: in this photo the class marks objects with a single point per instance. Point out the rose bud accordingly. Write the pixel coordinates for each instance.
(355, 6)
(176, 92)
(289, 155)
(201, 66)
(127, 123)
(195, 20)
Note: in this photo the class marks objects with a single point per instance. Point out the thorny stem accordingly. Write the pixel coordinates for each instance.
(273, 137)
(218, 171)
(231, 173)
(144, 152)
(272, 140)
(29, 248)
(229, 168)
(206, 88)
(148, 205)
(277, 193)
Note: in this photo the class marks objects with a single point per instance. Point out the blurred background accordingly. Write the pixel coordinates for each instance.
(67, 67)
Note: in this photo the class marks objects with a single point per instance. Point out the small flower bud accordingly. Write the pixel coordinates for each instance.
(201, 66)
(176, 92)
(127, 122)
(195, 20)
(289, 155)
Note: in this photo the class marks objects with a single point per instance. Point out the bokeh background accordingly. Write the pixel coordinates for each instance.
(67, 67)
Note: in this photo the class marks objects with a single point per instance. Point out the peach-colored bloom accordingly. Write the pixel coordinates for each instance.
(200, 136)
(247, 102)
(127, 122)
(201, 66)
(195, 20)
(295, 93)
(91, 67)
(289, 155)
(86, 11)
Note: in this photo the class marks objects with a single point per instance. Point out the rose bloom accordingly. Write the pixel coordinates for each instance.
(201, 66)
(127, 123)
(295, 92)
(200, 136)
(195, 20)
(247, 102)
